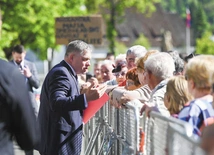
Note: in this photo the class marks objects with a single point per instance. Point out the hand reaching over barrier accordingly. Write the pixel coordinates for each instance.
(147, 108)
(84, 87)
(95, 91)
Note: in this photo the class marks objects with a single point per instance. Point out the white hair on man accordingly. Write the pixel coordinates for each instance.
(133, 54)
(107, 62)
(120, 58)
(137, 50)
(161, 65)
(106, 70)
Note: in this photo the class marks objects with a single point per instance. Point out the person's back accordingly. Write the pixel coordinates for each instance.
(17, 119)
(197, 73)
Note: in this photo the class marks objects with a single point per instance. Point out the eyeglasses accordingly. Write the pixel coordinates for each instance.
(130, 59)
(120, 73)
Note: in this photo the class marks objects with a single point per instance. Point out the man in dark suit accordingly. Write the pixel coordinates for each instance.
(28, 69)
(17, 120)
(62, 105)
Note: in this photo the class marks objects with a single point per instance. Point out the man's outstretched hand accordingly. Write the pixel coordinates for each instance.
(95, 91)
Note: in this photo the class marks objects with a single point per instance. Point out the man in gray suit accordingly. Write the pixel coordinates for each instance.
(28, 69)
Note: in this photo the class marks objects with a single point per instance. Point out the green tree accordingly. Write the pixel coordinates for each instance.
(199, 13)
(120, 48)
(205, 44)
(113, 11)
(31, 23)
(142, 40)
(199, 20)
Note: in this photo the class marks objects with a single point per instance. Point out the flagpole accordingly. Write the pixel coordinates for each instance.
(187, 40)
(188, 25)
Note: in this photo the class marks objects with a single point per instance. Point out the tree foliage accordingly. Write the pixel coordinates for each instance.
(113, 11)
(205, 44)
(142, 40)
(199, 20)
(201, 13)
(120, 48)
(31, 23)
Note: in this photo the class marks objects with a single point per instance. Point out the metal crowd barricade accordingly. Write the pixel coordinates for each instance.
(179, 143)
(156, 132)
(115, 131)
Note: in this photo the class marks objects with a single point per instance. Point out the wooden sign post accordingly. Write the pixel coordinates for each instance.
(85, 28)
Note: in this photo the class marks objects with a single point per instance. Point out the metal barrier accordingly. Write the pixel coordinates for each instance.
(117, 132)
(157, 135)
(179, 143)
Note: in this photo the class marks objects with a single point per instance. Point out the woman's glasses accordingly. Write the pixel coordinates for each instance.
(120, 73)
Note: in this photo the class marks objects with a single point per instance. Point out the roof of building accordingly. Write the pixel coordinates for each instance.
(152, 27)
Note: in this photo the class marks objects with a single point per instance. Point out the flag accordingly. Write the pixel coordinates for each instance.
(188, 18)
(93, 107)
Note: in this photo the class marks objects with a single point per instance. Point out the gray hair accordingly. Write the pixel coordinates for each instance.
(120, 58)
(77, 46)
(137, 50)
(161, 65)
(107, 62)
(179, 63)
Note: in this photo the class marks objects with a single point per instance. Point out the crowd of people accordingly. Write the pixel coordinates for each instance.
(166, 83)
(161, 81)
(176, 88)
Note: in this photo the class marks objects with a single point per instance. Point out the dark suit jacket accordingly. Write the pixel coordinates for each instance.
(16, 113)
(60, 114)
(31, 82)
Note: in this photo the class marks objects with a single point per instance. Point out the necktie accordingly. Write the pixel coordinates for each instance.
(20, 67)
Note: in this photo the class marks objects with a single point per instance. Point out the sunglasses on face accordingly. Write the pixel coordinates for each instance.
(120, 73)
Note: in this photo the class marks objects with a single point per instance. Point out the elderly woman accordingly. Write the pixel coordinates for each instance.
(120, 73)
(199, 112)
(120, 69)
(132, 80)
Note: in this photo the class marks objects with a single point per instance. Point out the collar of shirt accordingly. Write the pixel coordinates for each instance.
(21, 64)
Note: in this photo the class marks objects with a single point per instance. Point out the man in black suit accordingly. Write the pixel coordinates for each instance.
(28, 69)
(62, 105)
(17, 120)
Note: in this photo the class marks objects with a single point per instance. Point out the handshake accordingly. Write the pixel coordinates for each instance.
(92, 89)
